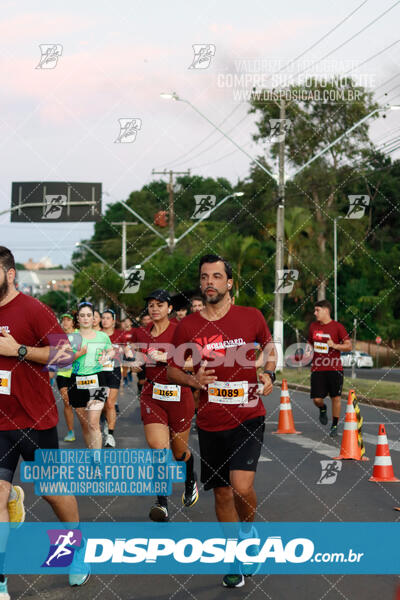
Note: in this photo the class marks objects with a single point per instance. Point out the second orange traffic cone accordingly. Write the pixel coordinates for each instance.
(286, 422)
(350, 447)
(383, 468)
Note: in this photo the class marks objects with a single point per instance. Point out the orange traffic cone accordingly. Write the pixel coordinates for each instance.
(383, 469)
(286, 423)
(350, 447)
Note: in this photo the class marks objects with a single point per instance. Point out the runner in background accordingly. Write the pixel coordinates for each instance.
(88, 390)
(231, 413)
(328, 339)
(196, 303)
(113, 374)
(180, 313)
(128, 358)
(64, 379)
(96, 320)
(166, 409)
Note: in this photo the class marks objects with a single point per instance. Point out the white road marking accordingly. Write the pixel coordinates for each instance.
(310, 444)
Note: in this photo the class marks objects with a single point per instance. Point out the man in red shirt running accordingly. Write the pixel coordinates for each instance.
(28, 414)
(328, 339)
(230, 415)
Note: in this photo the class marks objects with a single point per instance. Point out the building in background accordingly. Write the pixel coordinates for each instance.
(37, 282)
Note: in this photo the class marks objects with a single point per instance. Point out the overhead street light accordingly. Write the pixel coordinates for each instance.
(174, 96)
(100, 258)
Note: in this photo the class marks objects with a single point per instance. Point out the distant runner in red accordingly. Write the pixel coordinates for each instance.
(167, 410)
(230, 415)
(328, 339)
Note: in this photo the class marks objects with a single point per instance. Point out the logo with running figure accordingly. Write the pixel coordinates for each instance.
(54, 206)
(128, 129)
(203, 53)
(357, 206)
(279, 128)
(50, 53)
(63, 543)
(286, 280)
(204, 204)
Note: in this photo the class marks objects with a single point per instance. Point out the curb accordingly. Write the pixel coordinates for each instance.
(362, 399)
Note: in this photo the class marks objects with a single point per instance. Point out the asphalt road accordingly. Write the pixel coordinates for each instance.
(286, 485)
(377, 374)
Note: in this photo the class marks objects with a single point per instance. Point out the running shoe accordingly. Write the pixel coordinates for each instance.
(250, 568)
(79, 570)
(70, 437)
(4, 595)
(323, 416)
(334, 431)
(159, 513)
(109, 441)
(233, 581)
(191, 493)
(16, 509)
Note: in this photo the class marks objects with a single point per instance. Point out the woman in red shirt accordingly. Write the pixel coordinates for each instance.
(166, 409)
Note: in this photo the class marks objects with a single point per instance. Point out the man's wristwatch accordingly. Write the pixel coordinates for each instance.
(271, 374)
(22, 352)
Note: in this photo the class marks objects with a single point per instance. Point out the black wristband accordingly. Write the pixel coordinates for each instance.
(271, 374)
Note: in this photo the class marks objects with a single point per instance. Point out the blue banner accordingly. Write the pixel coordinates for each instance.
(208, 548)
(130, 472)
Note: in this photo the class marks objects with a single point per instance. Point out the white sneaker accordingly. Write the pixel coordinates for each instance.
(109, 441)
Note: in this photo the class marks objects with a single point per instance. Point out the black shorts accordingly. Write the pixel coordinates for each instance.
(229, 450)
(141, 375)
(326, 383)
(63, 382)
(80, 398)
(113, 378)
(23, 442)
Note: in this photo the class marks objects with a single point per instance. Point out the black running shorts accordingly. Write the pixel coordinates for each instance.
(23, 442)
(326, 383)
(80, 398)
(230, 450)
(113, 378)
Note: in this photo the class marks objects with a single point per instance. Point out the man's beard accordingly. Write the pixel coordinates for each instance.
(213, 299)
(4, 289)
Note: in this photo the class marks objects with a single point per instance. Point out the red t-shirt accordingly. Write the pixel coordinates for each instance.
(231, 340)
(325, 358)
(155, 371)
(129, 335)
(30, 402)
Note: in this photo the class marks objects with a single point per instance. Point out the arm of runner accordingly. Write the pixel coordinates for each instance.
(345, 344)
(199, 381)
(9, 347)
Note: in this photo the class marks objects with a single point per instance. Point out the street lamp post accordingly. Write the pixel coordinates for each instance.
(100, 258)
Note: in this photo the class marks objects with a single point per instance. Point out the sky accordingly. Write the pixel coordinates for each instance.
(117, 57)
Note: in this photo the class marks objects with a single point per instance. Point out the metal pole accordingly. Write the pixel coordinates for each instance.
(280, 235)
(123, 259)
(171, 216)
(353, 364)
(100, 258)
(335, 265)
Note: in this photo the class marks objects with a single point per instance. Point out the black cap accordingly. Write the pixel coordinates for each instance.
(161, 295)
